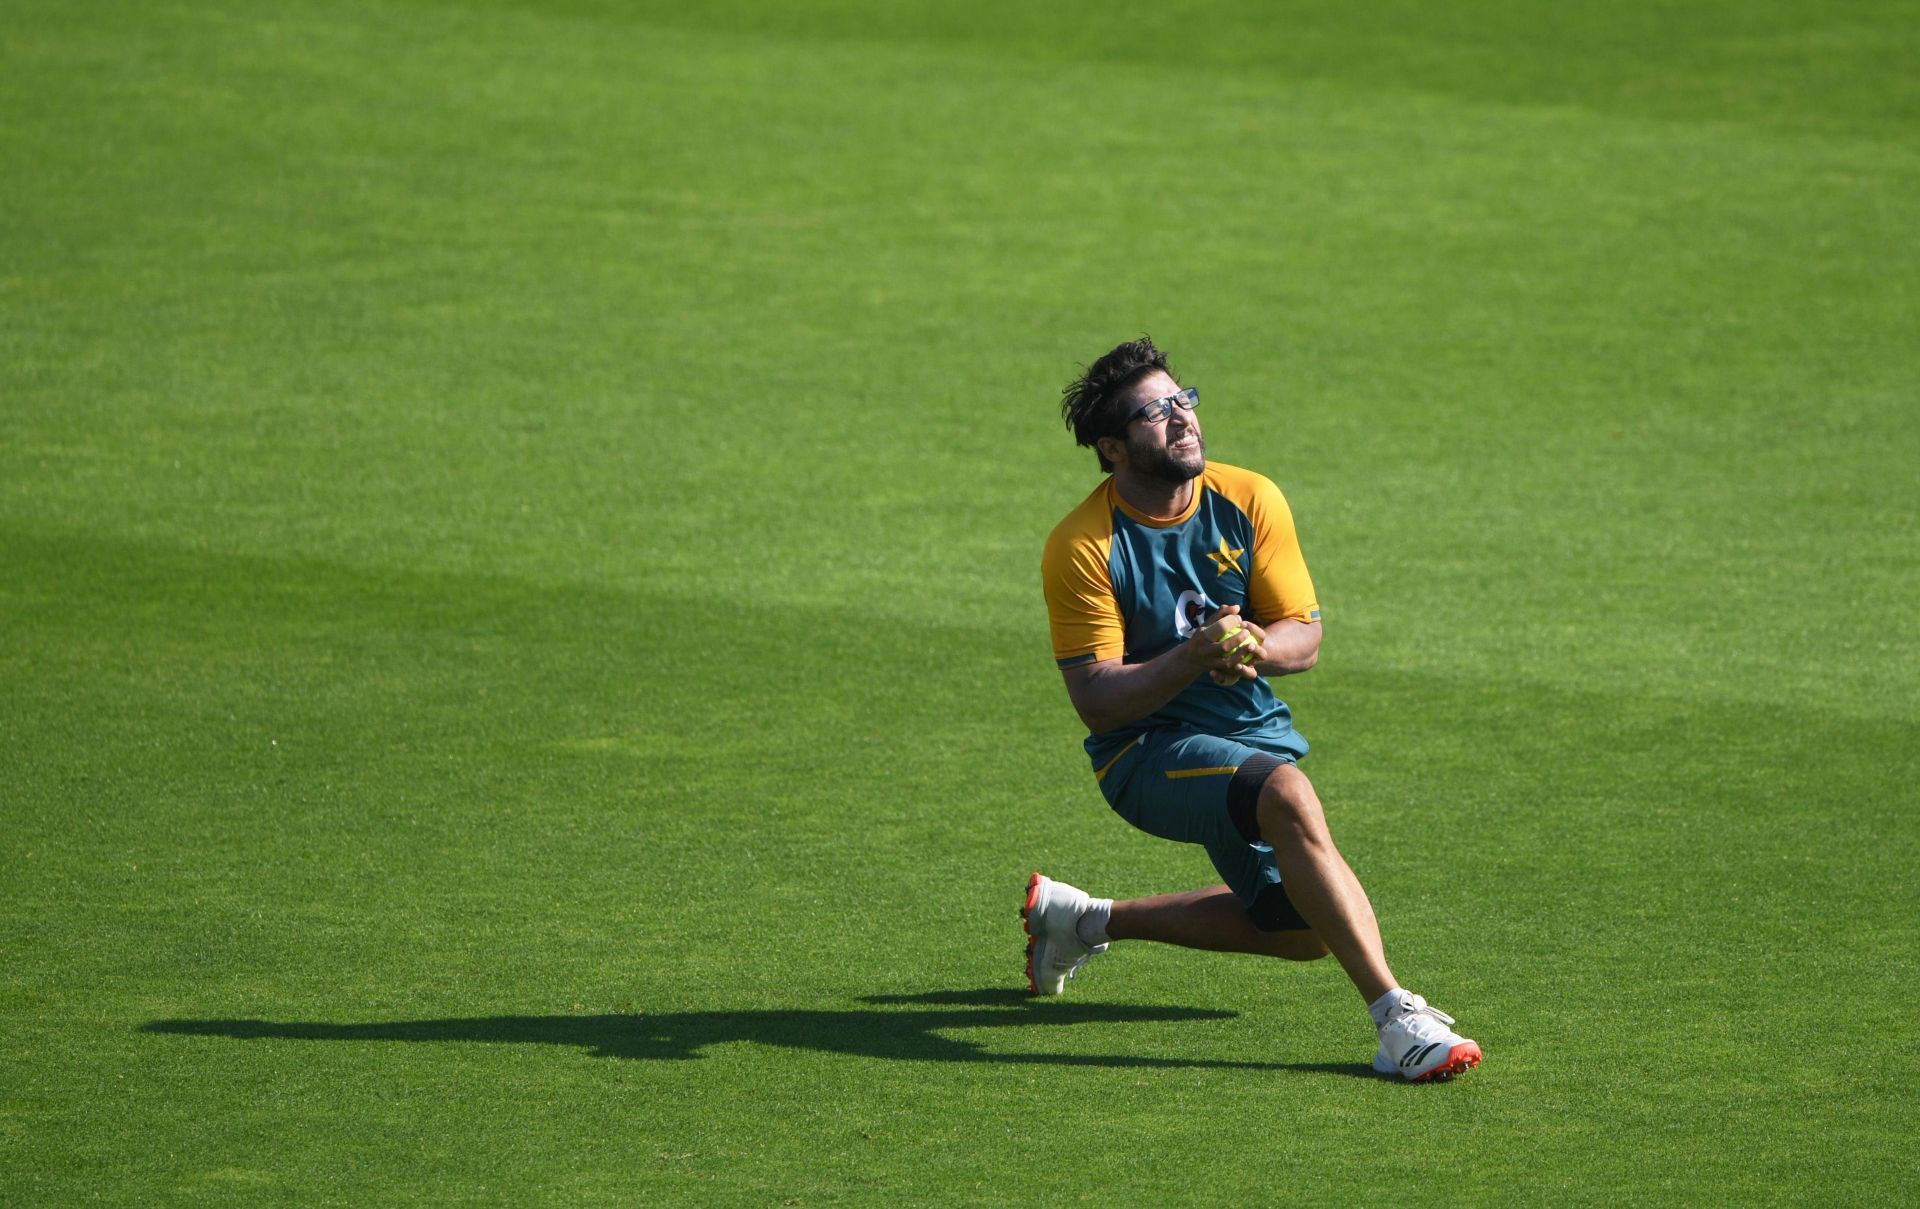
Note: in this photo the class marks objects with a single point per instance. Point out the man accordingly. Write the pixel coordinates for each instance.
(1175, 591)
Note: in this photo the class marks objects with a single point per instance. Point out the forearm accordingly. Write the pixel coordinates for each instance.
(1114, 694)
(1288, 647)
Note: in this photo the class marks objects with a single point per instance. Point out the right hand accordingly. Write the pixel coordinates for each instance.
(1221, 646)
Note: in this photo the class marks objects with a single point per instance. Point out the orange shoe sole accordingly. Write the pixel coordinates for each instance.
(1460, 1059)
(1026, 912)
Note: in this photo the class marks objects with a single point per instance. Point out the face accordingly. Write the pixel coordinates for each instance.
(1171, 450)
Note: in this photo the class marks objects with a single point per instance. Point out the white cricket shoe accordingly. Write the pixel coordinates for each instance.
(1054, 949)
(1416, 1044)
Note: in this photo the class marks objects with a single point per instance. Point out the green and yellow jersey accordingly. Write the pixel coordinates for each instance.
(1122, 586)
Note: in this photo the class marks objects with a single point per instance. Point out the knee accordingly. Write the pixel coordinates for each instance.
(1299, 946)
(1289, 812)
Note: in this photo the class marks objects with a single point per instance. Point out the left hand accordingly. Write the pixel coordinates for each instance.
(1250, 640)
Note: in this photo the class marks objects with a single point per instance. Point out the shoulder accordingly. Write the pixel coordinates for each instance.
(1247, 490)
(1087, 528)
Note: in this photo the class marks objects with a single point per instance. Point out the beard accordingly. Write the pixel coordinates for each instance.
(1169, 465)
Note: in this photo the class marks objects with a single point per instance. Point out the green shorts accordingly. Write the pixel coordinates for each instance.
(1200, 789)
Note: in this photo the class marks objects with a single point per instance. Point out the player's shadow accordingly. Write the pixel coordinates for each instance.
(883, 1030)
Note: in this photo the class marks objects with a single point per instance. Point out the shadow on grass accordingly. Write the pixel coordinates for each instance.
(880, 1031)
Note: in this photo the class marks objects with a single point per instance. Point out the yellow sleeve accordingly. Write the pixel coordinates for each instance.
(1081, 608)
(1279, 586)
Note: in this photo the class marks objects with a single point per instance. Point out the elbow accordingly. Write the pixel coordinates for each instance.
(1295, 662)
(1097, 723)
(1092, 702)
(1307, 650)
(1099, 720)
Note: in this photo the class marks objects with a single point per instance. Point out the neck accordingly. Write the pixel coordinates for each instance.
(1151, 496)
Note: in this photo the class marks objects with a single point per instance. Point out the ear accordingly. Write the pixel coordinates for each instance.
(1113, 449)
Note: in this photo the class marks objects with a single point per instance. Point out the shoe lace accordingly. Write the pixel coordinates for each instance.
(1084, 958)
(1423, 1022)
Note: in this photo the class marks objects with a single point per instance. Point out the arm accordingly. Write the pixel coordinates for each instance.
(1111, 693)
(1279, 590)
(1286, 647)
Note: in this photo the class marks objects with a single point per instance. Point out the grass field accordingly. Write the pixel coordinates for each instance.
(522, 669)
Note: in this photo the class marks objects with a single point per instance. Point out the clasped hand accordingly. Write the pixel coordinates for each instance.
(1227, 647)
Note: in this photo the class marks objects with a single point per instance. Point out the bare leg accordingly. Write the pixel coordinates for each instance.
(1207, 919)
(1322, 887)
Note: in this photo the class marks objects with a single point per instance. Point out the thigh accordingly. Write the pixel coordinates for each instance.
(1175, 783)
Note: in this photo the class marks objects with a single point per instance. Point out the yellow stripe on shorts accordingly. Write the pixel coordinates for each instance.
(1101, 774)
(1177, 773)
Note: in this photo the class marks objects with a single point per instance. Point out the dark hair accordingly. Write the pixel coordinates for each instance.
(1088, 404)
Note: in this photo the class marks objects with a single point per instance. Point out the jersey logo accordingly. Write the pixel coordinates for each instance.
(1225, 559)
(1190, 612)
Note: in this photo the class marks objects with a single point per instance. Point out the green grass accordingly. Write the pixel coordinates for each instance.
(398, 399)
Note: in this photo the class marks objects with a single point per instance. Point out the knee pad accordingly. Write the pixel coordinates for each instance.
(1243, 794)
(1273, 911)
